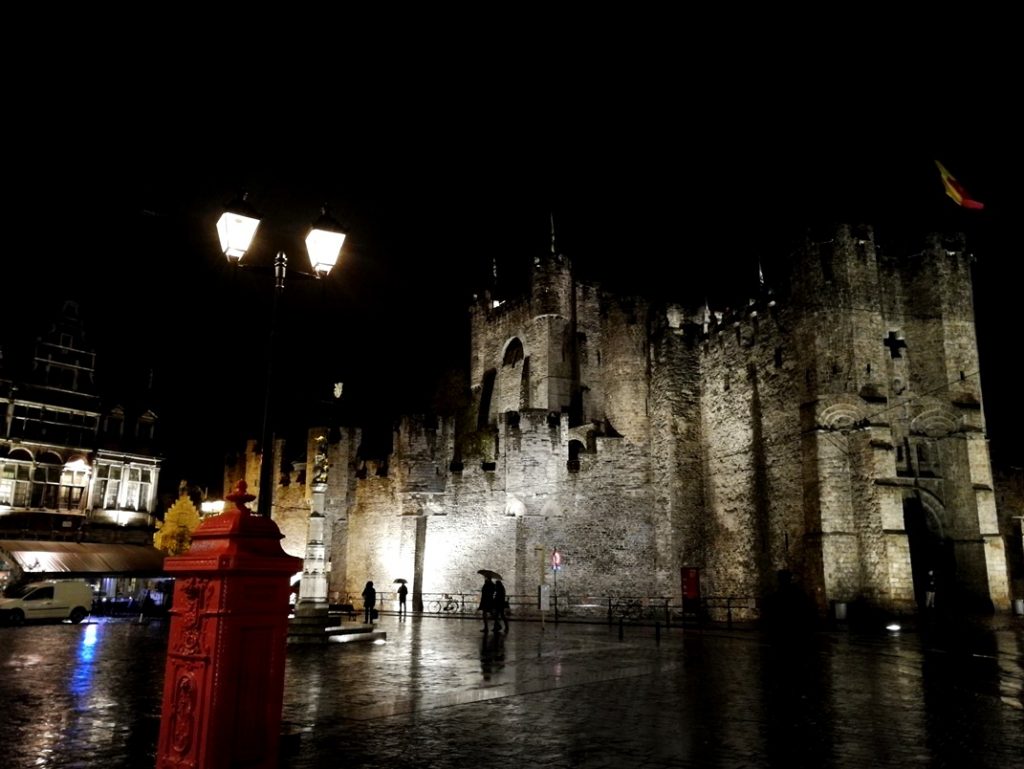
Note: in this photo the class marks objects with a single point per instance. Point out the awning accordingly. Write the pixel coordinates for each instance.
(34, 558)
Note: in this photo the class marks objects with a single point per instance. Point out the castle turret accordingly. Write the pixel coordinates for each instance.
(554, 358)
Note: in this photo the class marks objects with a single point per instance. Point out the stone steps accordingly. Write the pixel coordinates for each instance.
(319, 628)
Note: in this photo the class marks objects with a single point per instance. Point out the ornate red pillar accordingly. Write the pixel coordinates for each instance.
(224, 679)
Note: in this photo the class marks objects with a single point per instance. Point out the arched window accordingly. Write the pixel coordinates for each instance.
(16, 478)
(513, 353)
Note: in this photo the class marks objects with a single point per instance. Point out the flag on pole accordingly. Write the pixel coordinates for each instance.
(956, 191)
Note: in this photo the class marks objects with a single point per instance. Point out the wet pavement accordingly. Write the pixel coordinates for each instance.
(441, 694)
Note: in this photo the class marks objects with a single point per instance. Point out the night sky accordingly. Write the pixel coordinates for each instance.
(674, 194)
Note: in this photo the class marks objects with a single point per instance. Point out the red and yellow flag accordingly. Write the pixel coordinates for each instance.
(956, 190)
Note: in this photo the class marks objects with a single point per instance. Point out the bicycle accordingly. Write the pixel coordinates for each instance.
(445, 604)
(628, 609)
(638, 610)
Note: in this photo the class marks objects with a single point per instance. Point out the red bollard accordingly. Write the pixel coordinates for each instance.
(224, 679)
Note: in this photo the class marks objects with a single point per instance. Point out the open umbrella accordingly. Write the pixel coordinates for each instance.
(400, 579)
(489, 573)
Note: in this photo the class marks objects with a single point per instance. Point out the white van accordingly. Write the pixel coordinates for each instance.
(51, 599)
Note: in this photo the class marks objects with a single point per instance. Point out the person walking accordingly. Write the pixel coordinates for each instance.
(499, 606)
(369, 602)
(929, 593)
(403, 591)
(487, 600)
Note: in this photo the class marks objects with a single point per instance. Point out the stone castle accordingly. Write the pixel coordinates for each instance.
(826, 439)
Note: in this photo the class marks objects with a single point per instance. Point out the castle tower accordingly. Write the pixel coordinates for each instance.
(554, 366)
(523, 350)
(891, 402)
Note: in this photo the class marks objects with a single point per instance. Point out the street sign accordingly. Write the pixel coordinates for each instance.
(556, 560)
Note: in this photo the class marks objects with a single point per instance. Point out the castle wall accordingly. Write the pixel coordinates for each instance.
(590, 348)
(751, 442)
(681, 533)
(793, 439)
(624, 366)
(601, 518)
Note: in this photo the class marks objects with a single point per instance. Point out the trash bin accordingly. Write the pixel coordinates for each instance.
(1018, 607)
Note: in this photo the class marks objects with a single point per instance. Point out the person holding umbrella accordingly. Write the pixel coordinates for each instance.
(403, 591)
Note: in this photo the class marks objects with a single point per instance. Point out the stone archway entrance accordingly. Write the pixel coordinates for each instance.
(930, 550)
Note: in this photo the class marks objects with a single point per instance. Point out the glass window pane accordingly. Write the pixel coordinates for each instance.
(110, 500)
(21, 492)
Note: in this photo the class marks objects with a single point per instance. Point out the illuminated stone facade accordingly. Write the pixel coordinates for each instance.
(72, 464)
(826, 439)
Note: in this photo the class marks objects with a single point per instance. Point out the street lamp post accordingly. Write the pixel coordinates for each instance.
(236, 228)
(224, 674)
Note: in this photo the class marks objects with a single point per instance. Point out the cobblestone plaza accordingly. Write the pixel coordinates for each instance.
(439, 693)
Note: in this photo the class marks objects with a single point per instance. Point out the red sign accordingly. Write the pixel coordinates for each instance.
(556, 560)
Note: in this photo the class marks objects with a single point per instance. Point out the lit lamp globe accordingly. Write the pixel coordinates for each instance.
(236, 228)
(324, 243)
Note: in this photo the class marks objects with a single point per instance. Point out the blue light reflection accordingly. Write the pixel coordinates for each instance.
(81, 677)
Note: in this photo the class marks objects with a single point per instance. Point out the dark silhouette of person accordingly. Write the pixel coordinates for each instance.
(369, 601)
(487, 600)
(403, 591)
(929, 593)
(499, 606)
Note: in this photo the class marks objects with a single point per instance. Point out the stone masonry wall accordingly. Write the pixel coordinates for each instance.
(751, 439)
(624, 367)
(601, 518)
(591, 350)
(785, 439)
(676, 466)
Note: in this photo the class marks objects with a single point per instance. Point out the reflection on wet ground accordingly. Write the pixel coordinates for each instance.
(441, 694)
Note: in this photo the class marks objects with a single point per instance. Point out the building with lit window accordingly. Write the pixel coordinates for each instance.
(74, 467)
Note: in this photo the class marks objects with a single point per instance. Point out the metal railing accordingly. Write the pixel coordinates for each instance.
(663, 611)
